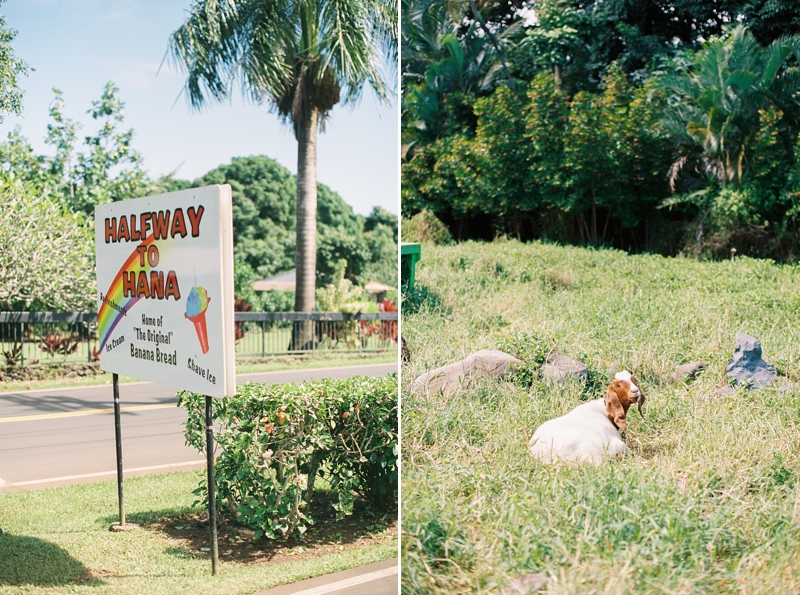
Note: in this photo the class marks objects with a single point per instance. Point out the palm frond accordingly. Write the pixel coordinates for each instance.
(298, 55)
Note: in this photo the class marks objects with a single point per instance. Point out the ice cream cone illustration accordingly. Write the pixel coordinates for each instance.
(196, 306)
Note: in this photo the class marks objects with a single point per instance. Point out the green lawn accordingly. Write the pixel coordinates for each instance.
(56, 541)
(707, 499)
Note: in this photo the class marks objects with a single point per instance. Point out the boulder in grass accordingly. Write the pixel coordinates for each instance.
(747, 367)
(725, 391)
(527, 584)
(687, 371)
(455, 376)
(559, 367)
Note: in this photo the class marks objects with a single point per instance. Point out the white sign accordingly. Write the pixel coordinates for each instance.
(165, 289)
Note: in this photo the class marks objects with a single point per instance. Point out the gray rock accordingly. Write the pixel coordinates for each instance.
(527, 584)
(688, 371)
(559, 367)
(455, 376)
(747, 367)
(725, 391)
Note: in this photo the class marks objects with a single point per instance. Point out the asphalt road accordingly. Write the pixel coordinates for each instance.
(65, 436)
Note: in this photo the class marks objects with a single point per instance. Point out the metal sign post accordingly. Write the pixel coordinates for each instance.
(121, 525)
(118, 433)
(212, 491)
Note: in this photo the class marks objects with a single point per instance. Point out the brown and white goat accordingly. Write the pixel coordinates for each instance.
(590, 432)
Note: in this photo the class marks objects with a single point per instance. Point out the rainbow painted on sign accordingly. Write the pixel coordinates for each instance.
(136, 279)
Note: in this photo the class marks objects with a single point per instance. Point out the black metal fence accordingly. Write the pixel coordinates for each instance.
(48, 337)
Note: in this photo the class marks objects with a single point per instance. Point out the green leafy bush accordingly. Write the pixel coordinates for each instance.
(425, 227)
(274, 439)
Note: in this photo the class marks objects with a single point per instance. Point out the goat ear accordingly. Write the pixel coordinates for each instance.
(641, 396)
(616, 413)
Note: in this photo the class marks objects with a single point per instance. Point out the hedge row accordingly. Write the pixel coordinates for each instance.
(275, 439)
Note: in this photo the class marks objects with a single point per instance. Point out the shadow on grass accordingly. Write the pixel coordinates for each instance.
(187, 533)
(25, 560)
(148, 517)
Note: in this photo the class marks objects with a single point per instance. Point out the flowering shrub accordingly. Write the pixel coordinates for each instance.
(274, 439)
(386, 329)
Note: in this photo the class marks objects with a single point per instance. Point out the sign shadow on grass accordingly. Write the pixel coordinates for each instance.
(30, 561)
(148, 517)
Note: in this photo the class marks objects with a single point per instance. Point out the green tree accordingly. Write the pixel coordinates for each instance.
(301, 56)
(380, 235)
(46, 253)
(335, 246)
(380, 216)
(264, 203)
(106, 169)
(11, 68)
(111, 170)
(381, 243)
(715, 102)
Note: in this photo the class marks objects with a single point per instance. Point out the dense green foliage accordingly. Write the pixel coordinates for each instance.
(264, 214)
(275, 439)
(46, 253)
(649, 128)
(705, 499)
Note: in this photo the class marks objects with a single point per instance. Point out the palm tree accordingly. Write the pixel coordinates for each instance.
(440, 62)
(302, 57)
(715, 103)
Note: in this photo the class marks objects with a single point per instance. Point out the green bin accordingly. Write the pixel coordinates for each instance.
(409, 256)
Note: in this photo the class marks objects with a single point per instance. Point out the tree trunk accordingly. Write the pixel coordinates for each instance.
(306, 252)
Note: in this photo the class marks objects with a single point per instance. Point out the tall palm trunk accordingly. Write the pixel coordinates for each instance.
(306, 252)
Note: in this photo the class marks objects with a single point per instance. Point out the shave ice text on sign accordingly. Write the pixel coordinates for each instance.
(165, 289)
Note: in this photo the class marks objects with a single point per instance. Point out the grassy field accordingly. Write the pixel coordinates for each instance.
(56, 541)
(707, 498)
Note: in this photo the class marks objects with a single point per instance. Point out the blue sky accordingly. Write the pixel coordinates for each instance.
(80, 45)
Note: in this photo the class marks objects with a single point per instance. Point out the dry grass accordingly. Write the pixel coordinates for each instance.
(707, 499)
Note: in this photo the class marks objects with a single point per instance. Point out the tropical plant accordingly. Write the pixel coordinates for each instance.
(445, 67)
(302, 57)
(716, 97)
(342, 295)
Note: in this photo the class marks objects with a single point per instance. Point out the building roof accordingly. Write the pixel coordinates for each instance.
(377, 287)
(283, 281)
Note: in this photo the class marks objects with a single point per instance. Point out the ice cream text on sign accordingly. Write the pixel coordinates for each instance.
(164, 224)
